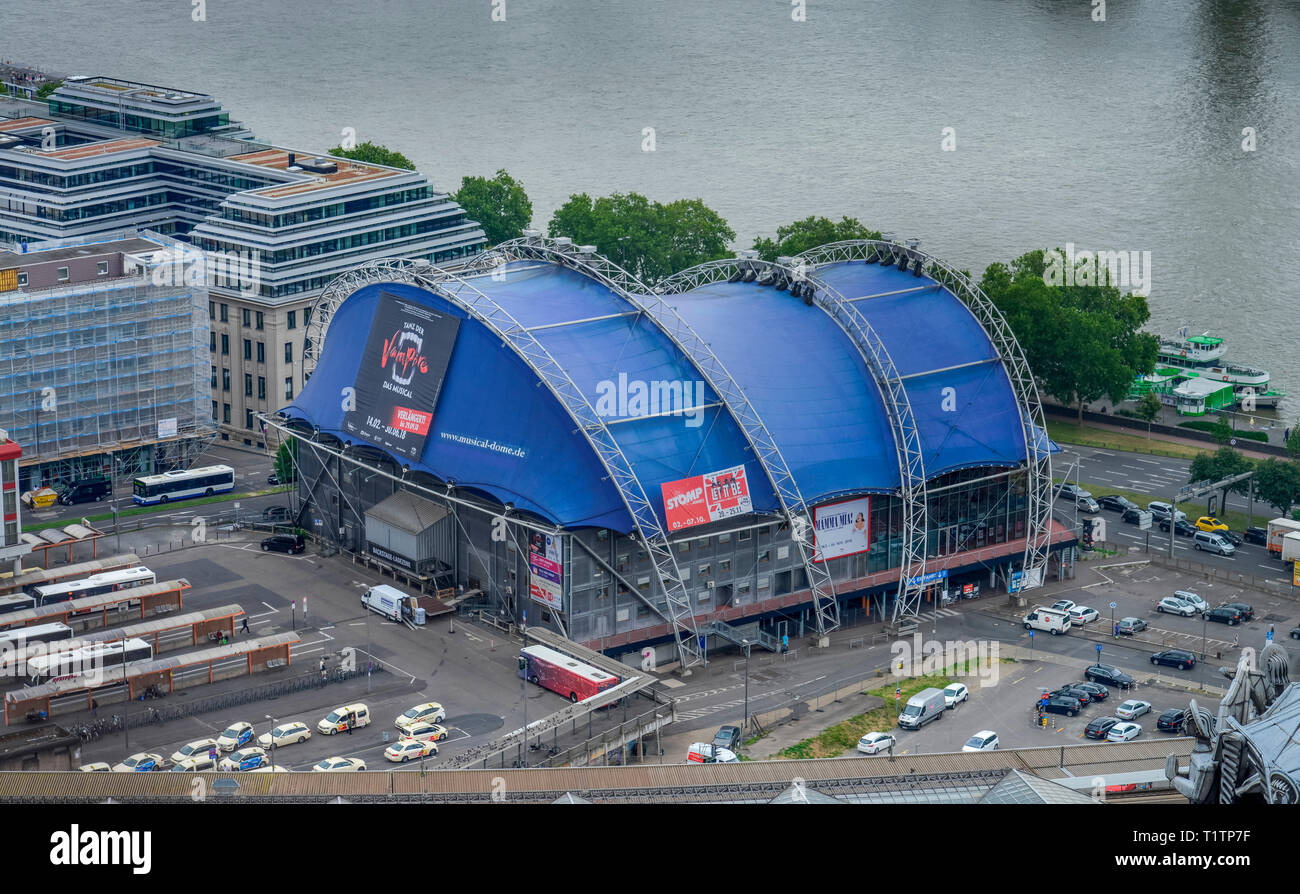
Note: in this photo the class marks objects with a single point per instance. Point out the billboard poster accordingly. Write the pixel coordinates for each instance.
(842, 529)
(546, 569)
(706, 498)
(400, 376)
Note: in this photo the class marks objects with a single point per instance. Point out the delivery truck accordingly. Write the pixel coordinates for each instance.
(1277, 529)
(1291, 547)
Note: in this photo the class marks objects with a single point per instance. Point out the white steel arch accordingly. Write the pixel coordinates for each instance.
(481, 307)
(1038, 534)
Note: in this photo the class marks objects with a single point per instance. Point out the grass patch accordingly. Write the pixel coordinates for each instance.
(1206, 425)
(1103, 439)
(149, 510)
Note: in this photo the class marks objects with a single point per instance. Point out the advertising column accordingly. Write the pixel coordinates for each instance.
(546, 570)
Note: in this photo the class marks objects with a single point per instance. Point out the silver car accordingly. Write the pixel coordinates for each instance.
(1175, 606)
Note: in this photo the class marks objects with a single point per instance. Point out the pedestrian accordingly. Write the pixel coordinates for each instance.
(1117, 630)
(244, 629)
(1287, 436)
(322, 670)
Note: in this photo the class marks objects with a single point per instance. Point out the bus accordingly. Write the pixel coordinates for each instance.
(563, 674)
(88, 659)
(21, 637)
(95, 585)
(169, 486)
(16, 603)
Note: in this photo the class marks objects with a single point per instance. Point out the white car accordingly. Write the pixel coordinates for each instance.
(195, 764)
(1063, 605)
(1131, 709)
(236, 736)
(1123, 732)
(955, 693)
(428, 732)
(244, 759)
(339, 764)
(199, 748)
(1175, 606)
(141, 762)
(1192, 599)
(285, 734)
(874, 743)
(97, 767)
(984, 740)
(1082, 614)
(267, 768)
(405, 749)
(429, 712)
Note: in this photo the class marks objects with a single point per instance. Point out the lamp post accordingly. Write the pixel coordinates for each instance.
(1113, 631)
(745, 643)
(1204, 617)
(271, 734)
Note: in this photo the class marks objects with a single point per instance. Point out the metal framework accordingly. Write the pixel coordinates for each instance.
(664, 316)
(1038, 456)
(911, 465)
(455, 289)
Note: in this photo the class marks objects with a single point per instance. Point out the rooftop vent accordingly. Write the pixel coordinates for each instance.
(587, 249)
(532, 234)
(563, 243)
(318, 165)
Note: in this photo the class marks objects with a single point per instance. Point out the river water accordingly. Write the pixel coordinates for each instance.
(1124, 134)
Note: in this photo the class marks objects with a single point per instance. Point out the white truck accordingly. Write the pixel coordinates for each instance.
(1291, 547)
(926, 705)
(1277, 529)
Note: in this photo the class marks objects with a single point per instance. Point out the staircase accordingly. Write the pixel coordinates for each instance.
(752, 632)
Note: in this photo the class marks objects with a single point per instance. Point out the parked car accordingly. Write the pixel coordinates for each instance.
(237, 735)
(1087, 504)
(874, 743)
(342, 719)
(339, 764)
(275, 514)
(1083, 696)
(429, 732)
(429, 712)
(1210, 523)
(285, 734)
(1162, 511)
(1172, 721)
(1060, 704)
(141, 762)
(1063, 605)
(984, 740)
(89, 490)
(1099, 726)
(1098, 692)
(1223, 615)
(1247, 611)
(1124, 731)
(1130, 625)
(1213, 542)
(1175, 606)
(405, 749)
(1132, 708)
(727, 737)
(954, 694)
(1231, 537)
(1192, 599)
(284, 543)
(1071, 491)
(1116, 502)
(273, 478)
(1257, 536)
(1105, 673)
(1295, 632)
(244, 759)
(199, 763)
(1179, 658)
(1132, 516)
(1082, 614)
(97, 767)
(200, 747)
(1182, 527)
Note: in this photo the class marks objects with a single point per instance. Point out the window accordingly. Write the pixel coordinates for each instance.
(63, 274)
(288, 388)
(212, 342)
(22, 279)
(260, 320)
(724, 567)
(745, 535)
(214, 410)
(248, 419)
(248, 385)
(225, 343)
(214, 377)
(212, 313)
(225, 381)
(288, 352)
(306, 317)
(293, 319)
(225, 318)
(248, 350)
(248, 317)
(261, 352)
(261, 387)
(225, 413)
(101, 269)
(706, 571)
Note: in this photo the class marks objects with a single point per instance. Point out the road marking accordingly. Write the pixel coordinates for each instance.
(389, 664)
(1014, 682)
(356, 623)
(305, 651)
(1101, 453)
(1135, 468)
(330, 627)
(471, 636)
(1154, 462)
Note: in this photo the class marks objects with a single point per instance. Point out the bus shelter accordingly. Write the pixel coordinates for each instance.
(10, 583)
(154, 599)
(57, 538)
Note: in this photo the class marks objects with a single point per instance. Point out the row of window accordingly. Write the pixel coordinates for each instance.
(248, 315)
(248, 414)
(321, 212)
(248, 348)
(101, 269)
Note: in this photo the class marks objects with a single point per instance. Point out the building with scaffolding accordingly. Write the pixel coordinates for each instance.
(104, 361)
(749, 451)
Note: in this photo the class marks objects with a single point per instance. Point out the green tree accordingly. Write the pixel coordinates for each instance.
(1277, 483)
(499, 204)
(1148, 409)
(44, 91)
(1222, 431)
(649, 239)
(375, 154)
(1082, 342)
(1293, 442)
(1223, 463)
(284, 461)
(798, 237)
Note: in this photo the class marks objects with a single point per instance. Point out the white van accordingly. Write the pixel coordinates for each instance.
(1048, 619)
(706, 753)
(1160, 511)
(385, 600)
(1213, 542)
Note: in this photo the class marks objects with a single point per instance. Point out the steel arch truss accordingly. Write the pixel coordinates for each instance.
(688, 341)
(911, 464)
(479, 306)
(1038, 535)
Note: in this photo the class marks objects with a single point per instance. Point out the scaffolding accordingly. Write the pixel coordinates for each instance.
(107, 378)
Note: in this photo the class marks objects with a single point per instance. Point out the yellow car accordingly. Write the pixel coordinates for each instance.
(1206, 523)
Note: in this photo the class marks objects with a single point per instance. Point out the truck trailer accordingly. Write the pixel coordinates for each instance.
(1277, 529)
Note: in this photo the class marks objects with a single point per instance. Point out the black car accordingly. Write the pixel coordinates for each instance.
(1295, 632)
(1178, 658)
(89, 490)
(1104, 673)
(1232, 538)
(275, 514)
(1060, 704)
(1183, 528)
(1247, 612)
(1081, 695)
(284, 543)
(1132, 516)
(1099, 726)
(1116, 502)
(1098, 692)
(1256, 535)
(1223, 615)
(727, 737)
(1172, 721)
(273, 478)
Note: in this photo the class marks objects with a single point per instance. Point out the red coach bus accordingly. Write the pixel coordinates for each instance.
(563, 674)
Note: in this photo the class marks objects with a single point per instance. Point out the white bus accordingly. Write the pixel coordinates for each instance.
(21, 637)
(169, 486)
(88, 659)
(95, 585)
(16, 603)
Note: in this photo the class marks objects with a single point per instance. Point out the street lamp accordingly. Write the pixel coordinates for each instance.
(272, 736)
(745, 643)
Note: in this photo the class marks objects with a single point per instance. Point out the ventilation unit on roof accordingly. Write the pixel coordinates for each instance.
(318, 165)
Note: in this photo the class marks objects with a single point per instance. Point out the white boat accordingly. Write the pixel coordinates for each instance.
(1201, 356)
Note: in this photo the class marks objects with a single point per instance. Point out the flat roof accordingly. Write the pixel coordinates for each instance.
(349, 171)
(22, 123)
(90, 150)
(10, 259)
